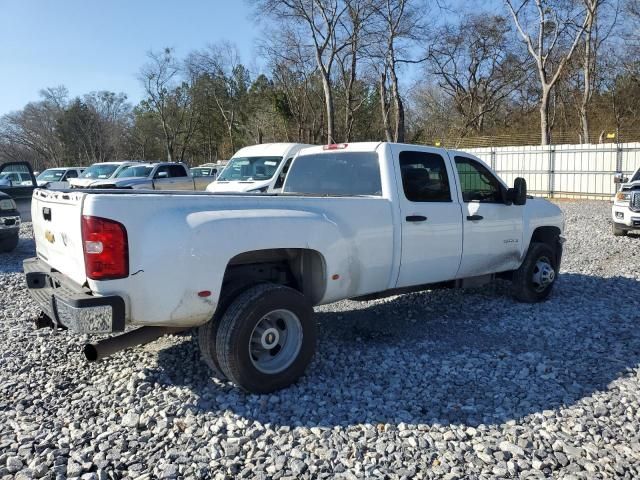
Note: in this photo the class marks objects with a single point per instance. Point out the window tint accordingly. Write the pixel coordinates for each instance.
(177, 171)
(477, 182)
(72, 174)
(335, 173)
(424, 177)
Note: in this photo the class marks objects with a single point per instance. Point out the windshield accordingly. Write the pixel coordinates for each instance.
(636, 177)
(134, 171)
(51, 175)
(99, 171)
(250, 168)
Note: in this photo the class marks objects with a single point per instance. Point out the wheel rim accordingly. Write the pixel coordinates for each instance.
(543, 274)
(276, 341)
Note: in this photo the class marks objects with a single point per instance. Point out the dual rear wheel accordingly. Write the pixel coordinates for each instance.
(262, 340)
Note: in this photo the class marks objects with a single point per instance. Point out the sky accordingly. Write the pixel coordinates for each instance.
(90, 45)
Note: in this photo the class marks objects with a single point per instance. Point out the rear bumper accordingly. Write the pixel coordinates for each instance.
(70, 305)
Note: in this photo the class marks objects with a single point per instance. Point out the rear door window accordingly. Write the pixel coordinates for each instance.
(335, 174)
(177, 171)
(424, 177)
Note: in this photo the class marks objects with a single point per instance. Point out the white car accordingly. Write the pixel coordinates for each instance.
(99, 171)
(259, 168)
(625, 212)
(154, 176)
(353, 221)
(58, 177)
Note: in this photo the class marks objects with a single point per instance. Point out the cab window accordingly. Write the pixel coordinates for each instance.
(477, 183)
(424, 177)
(177, 171)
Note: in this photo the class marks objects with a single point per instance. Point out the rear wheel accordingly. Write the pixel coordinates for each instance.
(618, 231)
(9, 244)
(534, 280)
(266, 338)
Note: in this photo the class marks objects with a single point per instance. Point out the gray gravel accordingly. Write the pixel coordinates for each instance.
(448, 384)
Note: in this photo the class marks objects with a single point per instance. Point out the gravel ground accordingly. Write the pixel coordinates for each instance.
(447, 384)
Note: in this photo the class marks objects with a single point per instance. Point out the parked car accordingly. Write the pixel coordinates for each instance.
(259, 168)
(99, 171)
(204, 171)
(354, 221)
(58, 177)
(154, 176)
(18, 182)
(9, 223)
(625, 212)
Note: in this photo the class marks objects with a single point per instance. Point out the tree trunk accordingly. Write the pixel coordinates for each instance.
(328, 101)
(384, 107)
(398, 106)
(545, 133)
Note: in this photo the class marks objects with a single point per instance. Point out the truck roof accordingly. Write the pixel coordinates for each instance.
(268, 149)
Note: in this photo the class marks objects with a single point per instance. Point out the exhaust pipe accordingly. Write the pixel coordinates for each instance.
(102, 349)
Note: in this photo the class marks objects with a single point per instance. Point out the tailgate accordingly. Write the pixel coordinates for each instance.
(56, 220)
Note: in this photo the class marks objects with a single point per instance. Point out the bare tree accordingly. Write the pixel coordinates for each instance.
(477, 67)
(551, 40)
(169, 97)
(323, 22)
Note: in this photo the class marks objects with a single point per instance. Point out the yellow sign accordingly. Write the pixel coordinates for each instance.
(611, 135)
(437, 144)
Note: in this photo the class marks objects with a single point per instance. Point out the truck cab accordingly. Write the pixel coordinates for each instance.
(258, 168)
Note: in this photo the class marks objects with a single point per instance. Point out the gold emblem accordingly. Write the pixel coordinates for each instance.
(50, 236)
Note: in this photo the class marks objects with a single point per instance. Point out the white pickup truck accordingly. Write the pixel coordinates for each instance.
(353, 221)
(625, 212)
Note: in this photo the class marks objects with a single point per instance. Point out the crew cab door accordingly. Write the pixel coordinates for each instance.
(430, 216)
(492, 229)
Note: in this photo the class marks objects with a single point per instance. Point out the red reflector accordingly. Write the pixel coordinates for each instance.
(335, 146)
(106, 248)
(204, 293)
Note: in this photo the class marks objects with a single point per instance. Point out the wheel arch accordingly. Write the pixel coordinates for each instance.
(303, 269)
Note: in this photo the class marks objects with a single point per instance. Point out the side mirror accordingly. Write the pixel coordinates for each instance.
(518, 194)
(620, 178)
(162, 175)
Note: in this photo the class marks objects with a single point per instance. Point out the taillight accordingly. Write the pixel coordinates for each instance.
(106, 248)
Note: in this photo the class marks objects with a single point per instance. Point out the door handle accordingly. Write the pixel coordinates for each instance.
(415, 218)
(473, 218)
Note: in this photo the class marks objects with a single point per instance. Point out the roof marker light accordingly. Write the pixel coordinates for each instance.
(335, 146)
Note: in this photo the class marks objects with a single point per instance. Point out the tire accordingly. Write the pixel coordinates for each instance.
(618, 231)
(9, 244)
(208, 332)
(535, 278)
(266, 338)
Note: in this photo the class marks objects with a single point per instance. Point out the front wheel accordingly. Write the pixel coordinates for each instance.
(534, 280)
(618, 231)
(266, 338)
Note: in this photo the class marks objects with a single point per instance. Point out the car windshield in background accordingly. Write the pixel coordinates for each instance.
(250, 168)
(636, 177)
(99, 171)
(201, 172)
(335, 173)
(134, 171)
(51, 175)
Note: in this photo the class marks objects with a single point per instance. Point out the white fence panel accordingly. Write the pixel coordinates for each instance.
(564, 170)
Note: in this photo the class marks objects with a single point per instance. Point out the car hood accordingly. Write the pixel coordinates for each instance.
(237, 186)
